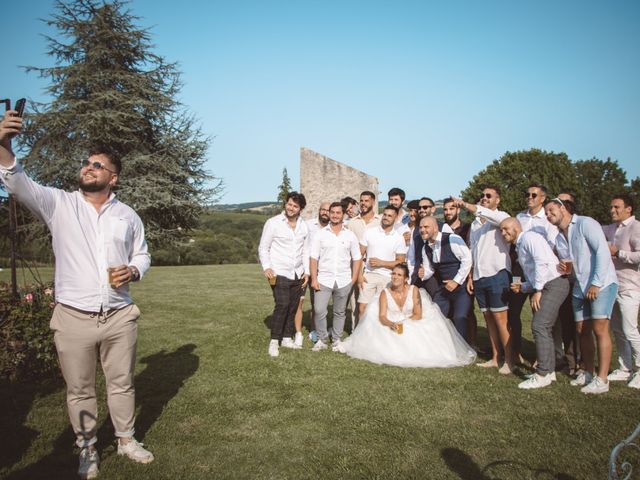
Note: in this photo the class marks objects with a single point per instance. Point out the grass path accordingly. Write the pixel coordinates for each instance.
(212, 404)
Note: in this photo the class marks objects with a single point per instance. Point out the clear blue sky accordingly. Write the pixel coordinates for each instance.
(421, 94)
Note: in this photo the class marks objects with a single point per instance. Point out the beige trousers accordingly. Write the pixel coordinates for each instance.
(79, 338)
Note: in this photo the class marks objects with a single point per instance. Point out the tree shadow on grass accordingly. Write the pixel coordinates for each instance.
(16, 401)
(466, 468)
(156, 385)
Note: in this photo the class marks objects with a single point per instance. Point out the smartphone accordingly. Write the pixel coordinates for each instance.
(20, 104)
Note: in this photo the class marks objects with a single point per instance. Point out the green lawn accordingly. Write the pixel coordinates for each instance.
(212, 404)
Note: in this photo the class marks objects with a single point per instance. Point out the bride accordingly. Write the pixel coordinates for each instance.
(405, 328)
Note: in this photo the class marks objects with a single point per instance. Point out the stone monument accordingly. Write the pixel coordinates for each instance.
(324, 179)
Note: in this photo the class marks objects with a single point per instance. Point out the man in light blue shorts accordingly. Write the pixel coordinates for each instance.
(583, 251)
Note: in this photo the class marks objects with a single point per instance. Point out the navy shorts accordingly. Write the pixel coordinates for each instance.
(492, 293)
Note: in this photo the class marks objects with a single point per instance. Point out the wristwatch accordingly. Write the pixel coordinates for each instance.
(135, 274)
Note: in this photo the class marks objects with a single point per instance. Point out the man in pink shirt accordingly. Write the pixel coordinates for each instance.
(623, 237)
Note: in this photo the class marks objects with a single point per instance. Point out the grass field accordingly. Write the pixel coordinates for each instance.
(212, 404)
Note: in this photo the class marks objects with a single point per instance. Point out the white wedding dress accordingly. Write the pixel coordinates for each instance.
(431, 341)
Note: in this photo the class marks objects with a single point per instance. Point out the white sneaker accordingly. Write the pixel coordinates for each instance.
(552, 374)
(583, 378)
(89, 460)
(537, 381)
(337, 346)
(320, 345)
(635, 380)
(288, 342)
(273, 348)
(596, 386)
(619, 375)
(135, 451)
(298, 339)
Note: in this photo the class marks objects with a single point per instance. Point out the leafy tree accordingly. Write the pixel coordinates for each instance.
(598, 181)
(109, 89)
(515, 171)
(285, 187)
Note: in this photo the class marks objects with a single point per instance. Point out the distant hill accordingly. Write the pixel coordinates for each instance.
(253, 206)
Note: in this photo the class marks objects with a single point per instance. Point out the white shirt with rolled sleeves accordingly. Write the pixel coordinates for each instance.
(458, 248)
(85, 242)
(382, 245)
(626, 236)
(334, 254)
(538, 223)
(489, 250)
(536, 257)
(283, 249)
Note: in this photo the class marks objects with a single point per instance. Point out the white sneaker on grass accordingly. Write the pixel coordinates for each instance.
(89, 460)
(537, 381)
(596, 386)
(288, 342)
(619, 375)
(337, 346)
(635, 381)
(583, 378)
(273, 348)
(552, 374)
(298, 339)
(135, 451)
(319, 345)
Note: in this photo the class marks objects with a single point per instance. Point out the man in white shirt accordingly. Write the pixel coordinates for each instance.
(548, 290)
(383, 247)
(491, 273)
(531, 219)
(350, 206)
(623, 237)
(450, 259)
(284, 256)
(335, 262)
(100, 248)
(314, 225)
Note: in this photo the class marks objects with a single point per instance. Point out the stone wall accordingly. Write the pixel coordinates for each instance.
(324, 179)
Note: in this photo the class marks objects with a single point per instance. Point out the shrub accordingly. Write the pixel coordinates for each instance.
(26, 343)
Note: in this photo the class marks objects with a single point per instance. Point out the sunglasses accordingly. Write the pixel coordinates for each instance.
(96, 166)
(530, 195)
(425, 207)
(485, 195)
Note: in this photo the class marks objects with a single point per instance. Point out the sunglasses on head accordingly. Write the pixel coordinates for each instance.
(425, 207)
(96, 166)
(530, 195)
(485, 195)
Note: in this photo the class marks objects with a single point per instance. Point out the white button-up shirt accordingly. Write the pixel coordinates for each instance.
(626, 236)
(384, 246)
(458, 248)
(358, 226)
(538, 223)
(538, 262)
(283, 249)
(489, 250)
(334, 254)
(85, 242)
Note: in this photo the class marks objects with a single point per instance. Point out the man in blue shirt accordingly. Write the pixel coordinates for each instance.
(583, 250)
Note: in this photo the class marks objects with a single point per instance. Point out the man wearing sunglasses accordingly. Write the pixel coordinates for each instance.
(100, 248)
(531, 219)
(491, 276)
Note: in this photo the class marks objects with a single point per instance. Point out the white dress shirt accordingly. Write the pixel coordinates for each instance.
(283, 249)
(538, 223)
(626, 236)
(85, 242)
(314, 227)
(489, 250)
(458, 248)
(538, 262)
(334, 254)
(384, 246)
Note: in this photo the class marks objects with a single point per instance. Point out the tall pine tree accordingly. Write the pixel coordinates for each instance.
(285, 187)
(109, 89)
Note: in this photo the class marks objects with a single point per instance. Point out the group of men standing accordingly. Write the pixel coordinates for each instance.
(576, 274)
